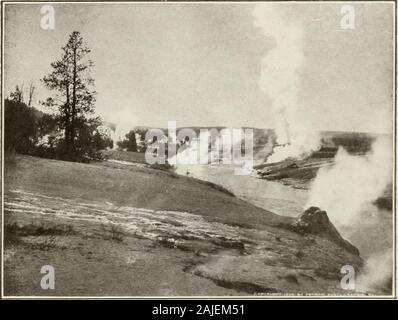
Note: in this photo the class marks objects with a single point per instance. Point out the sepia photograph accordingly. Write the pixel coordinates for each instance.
(198, 149)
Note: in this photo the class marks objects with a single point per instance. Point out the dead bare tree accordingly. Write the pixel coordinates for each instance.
(32, 89)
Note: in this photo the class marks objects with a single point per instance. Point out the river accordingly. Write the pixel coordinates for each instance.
(269, 195)
(372, 234)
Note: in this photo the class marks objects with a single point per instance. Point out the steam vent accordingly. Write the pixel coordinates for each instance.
(316, 221)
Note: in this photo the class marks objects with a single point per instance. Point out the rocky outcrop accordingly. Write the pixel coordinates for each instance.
(316, 221)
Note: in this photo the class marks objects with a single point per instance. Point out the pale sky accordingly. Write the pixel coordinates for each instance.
(200, 64)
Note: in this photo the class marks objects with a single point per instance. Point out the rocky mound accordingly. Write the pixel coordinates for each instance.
(316, 221)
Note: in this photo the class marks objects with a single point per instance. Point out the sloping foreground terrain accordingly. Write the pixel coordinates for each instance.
(115, 230)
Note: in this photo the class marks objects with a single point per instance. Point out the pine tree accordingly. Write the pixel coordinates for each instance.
(74, 97)
(17, 95)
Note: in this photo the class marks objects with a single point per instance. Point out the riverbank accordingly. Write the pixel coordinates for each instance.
(112, 229)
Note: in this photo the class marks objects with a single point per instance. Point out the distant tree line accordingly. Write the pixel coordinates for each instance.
(354, 142)
(130, 142)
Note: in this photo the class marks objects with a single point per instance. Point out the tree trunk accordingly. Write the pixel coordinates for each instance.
(67, 121)
(73, 117)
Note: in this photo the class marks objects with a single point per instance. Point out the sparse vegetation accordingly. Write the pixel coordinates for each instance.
(70, 132)
(113, 232)
(37, 229)
(221, 255)
(161, 166)
(299, 254)
(45, 235)
(291, 277)
(46, 243)
(128, 156)
(385, 201)
(217, 187)
(327, 273)
(20, 127)
(129, 143)
(9, 158)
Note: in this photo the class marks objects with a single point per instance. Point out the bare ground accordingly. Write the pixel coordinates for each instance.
(115, 230)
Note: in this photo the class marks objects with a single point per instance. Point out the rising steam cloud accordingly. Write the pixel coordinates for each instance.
(353, 182)
(377, 272)
(345, 190)
(279, 80)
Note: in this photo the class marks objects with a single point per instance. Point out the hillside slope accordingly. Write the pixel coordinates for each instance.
(122, 230)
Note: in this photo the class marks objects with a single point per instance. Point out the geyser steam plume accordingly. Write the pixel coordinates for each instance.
(346, 191)
(279, 80)
(353, 182)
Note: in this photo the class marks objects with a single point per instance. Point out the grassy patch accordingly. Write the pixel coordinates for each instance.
(38, 229)
(113, 232)
(241, 286)
(217, 187)
(9, 158)
(45, 235)
(163, 167)
(291, 277)
(128, 156)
